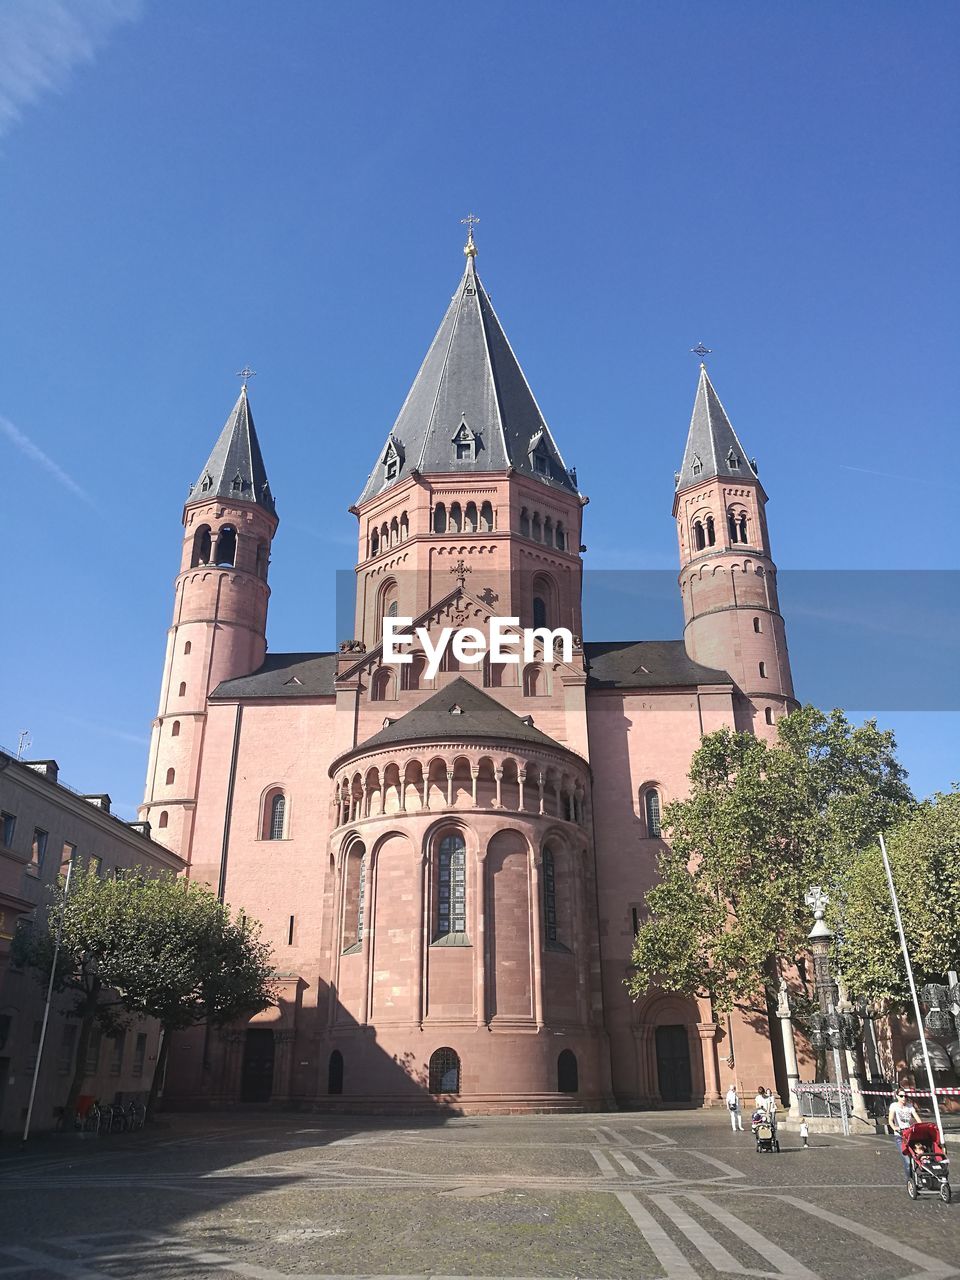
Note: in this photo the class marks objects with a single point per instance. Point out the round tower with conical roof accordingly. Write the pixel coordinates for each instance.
(219, 617)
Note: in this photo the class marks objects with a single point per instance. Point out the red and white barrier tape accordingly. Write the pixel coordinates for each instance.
(916, 1093)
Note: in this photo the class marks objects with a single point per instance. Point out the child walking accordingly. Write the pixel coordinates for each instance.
(805, 1132)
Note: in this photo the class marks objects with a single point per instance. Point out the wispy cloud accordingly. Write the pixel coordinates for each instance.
(109, 731)
(43, 41)
(36, 454)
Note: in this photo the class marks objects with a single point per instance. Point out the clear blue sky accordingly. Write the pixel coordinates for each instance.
(184, 188)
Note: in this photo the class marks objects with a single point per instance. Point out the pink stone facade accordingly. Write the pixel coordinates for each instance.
(452, 909)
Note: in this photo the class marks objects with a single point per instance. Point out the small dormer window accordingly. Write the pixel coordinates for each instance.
(391, 462)
(464, 444)
(697, 465)
(205, 484)
(733, 460)
(540, 463)
(237, 483)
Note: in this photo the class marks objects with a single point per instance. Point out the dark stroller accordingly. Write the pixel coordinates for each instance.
(929, 1166)
(765, 1131)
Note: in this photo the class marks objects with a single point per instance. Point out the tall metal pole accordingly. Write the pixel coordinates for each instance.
(820, 937)
(913, 988)
(46, 1009)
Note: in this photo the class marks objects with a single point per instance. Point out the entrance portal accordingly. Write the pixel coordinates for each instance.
(258, 1049)
(673, 1063)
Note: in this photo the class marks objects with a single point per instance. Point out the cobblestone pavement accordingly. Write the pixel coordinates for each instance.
(663, 1196)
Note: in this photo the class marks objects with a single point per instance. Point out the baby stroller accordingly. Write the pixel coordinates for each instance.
(929, 1166)
(765, 1132)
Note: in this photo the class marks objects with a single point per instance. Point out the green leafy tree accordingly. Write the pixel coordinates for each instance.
(924, 851)
(761, 824)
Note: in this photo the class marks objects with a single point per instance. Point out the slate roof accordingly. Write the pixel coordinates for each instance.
(479, 717)
(470, 375)
(645, 664)
(285, 675)
(712, 440)
(235, 467)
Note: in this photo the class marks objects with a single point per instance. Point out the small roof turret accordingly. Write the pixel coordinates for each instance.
(713, 447)
(470, 409)
(235, 467)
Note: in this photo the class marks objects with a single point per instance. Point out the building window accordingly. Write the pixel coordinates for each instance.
(651, 804)
(391, 462)
(38, 849)
(164, 818)
(568, 1077)
(768, 715)
(452, 885)
(335, 1072)
(290, 929)
(67, 854)
(464, 443)
(699, 541)
(175, 729)
(171, 776)
(763, 671)
(549, 895)
(561, 537)
(182, 691)
(439, 518)
(711, 532)
(743, 528)
(139, 1054)
(118, 1043)
(227, 547)
(444, 1071)
(187, 647)
(635, 920)
(486, 517)
(68, 1045)
(757, 625)
(361, 895)
(278, 807)
(733, 460)
(201, 547)
(536, 528)
(697, 465)
(525, 523)
(539, 611)
(92, 1064)
(8, 825)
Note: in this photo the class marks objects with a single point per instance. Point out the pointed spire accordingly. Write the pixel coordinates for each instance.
(235, 468)
(713, 447)
(470, 409)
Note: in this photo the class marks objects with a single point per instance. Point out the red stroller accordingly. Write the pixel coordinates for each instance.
(929, 1166)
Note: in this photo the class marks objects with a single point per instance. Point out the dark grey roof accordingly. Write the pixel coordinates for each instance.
(712, 441)
(645, 664)
(285, 675)
(459, 711)
(235, 467)
(470, 375)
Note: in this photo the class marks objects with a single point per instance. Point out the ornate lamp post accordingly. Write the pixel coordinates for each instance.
(819, 939)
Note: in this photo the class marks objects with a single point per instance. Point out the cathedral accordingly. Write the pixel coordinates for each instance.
(451, 865)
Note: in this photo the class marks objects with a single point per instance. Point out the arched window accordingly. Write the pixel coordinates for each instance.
(201, 547)
(470, 518)
(384, 687)
(227, 547)
(486, 518)
(561, 537)
(732, 527)
(278, 810)
(384, 536)
(175, 729)
(539, 611)
(187, 647)
(534, 681)
(711, 532)
(524, 523)
(404, 526)
(444, 1071)
(698, 539)
(548, 531)
(651, 806)
(387, 606)
(545, 590)
(549, 896)
(439, 518)
(568, 1078)
(354, 882)
(375, 543)
(412, 672)
(456, 517)
(763, 671)
(743, 527)
(164, 818)
(537, 528)
(452, 885)
(361, 894)
(171, 776)
(262, 558)
(394, 531)
(335, 1072)
(183, 689)
(768, 715)
(757, 625)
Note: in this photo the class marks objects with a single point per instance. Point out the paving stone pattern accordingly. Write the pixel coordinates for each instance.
(637, 1196)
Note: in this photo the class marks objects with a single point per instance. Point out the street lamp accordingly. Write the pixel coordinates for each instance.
(827, 1026)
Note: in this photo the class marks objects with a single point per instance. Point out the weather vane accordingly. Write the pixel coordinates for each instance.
(461, 570)
(246, 373)
(701, 351)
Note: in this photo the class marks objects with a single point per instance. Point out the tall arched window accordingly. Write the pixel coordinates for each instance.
(486, 518)
(335, 1072)
(651, 804)
(757, 626)
(375, 543)
(549, 896)
(175, 729)
(470, 518)
(187, 647)
(537, 528)
(452, 885)
(384, 686)
(171, 777)
(164, 818)
(561, 537)
(711, 532)
(181, 692)
(439, 518)
(539, 611)
(201, 546)
(404, 526)
(743, 527)
(456, 517)
(698, 539)
(227, 547)
(278, 809)
(262, 559)
(387, 605)
(444, 1071)
(361, 895)
(568, 1077)
(525, 523)
(768, 715)
(732, 527)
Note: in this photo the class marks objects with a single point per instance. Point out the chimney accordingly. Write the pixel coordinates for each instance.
(48, 769)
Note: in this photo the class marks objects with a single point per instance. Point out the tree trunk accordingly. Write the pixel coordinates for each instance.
(158, 1072)
(88, 1016)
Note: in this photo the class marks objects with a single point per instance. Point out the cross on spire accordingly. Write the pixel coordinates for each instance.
(701, 351)
(461, 570)
(470, 221)
(246, 373)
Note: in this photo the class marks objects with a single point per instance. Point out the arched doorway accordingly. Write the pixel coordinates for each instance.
(568, 1077)
(673, 1063)
(258, 1052)
(335, 1072)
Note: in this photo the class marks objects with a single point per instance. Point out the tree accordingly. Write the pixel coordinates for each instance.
(761, 824)
(924, 851)
(183, 960)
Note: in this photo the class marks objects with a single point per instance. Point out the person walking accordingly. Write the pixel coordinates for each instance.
(901, 1114)
(733, 1106)
(805, 1132)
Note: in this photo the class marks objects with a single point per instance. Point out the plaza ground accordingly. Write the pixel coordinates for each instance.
(670, 1195)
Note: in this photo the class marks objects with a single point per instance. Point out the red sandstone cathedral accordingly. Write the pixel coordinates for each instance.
(451, 870)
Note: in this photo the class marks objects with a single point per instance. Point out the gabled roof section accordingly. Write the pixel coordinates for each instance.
(713, 448)
(284, 675)
(645, 664)
(235, 468)
(470, 375)
(459, 712)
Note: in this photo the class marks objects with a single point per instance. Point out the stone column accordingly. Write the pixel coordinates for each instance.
(789, 1051)
(536, 934)
(521, 779)
(282, 1064)
(481, 959)
(498, 778)
(474, 774)
(449, 788)
(711, 1071)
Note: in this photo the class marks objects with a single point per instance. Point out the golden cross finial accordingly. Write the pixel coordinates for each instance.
(470, 221)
